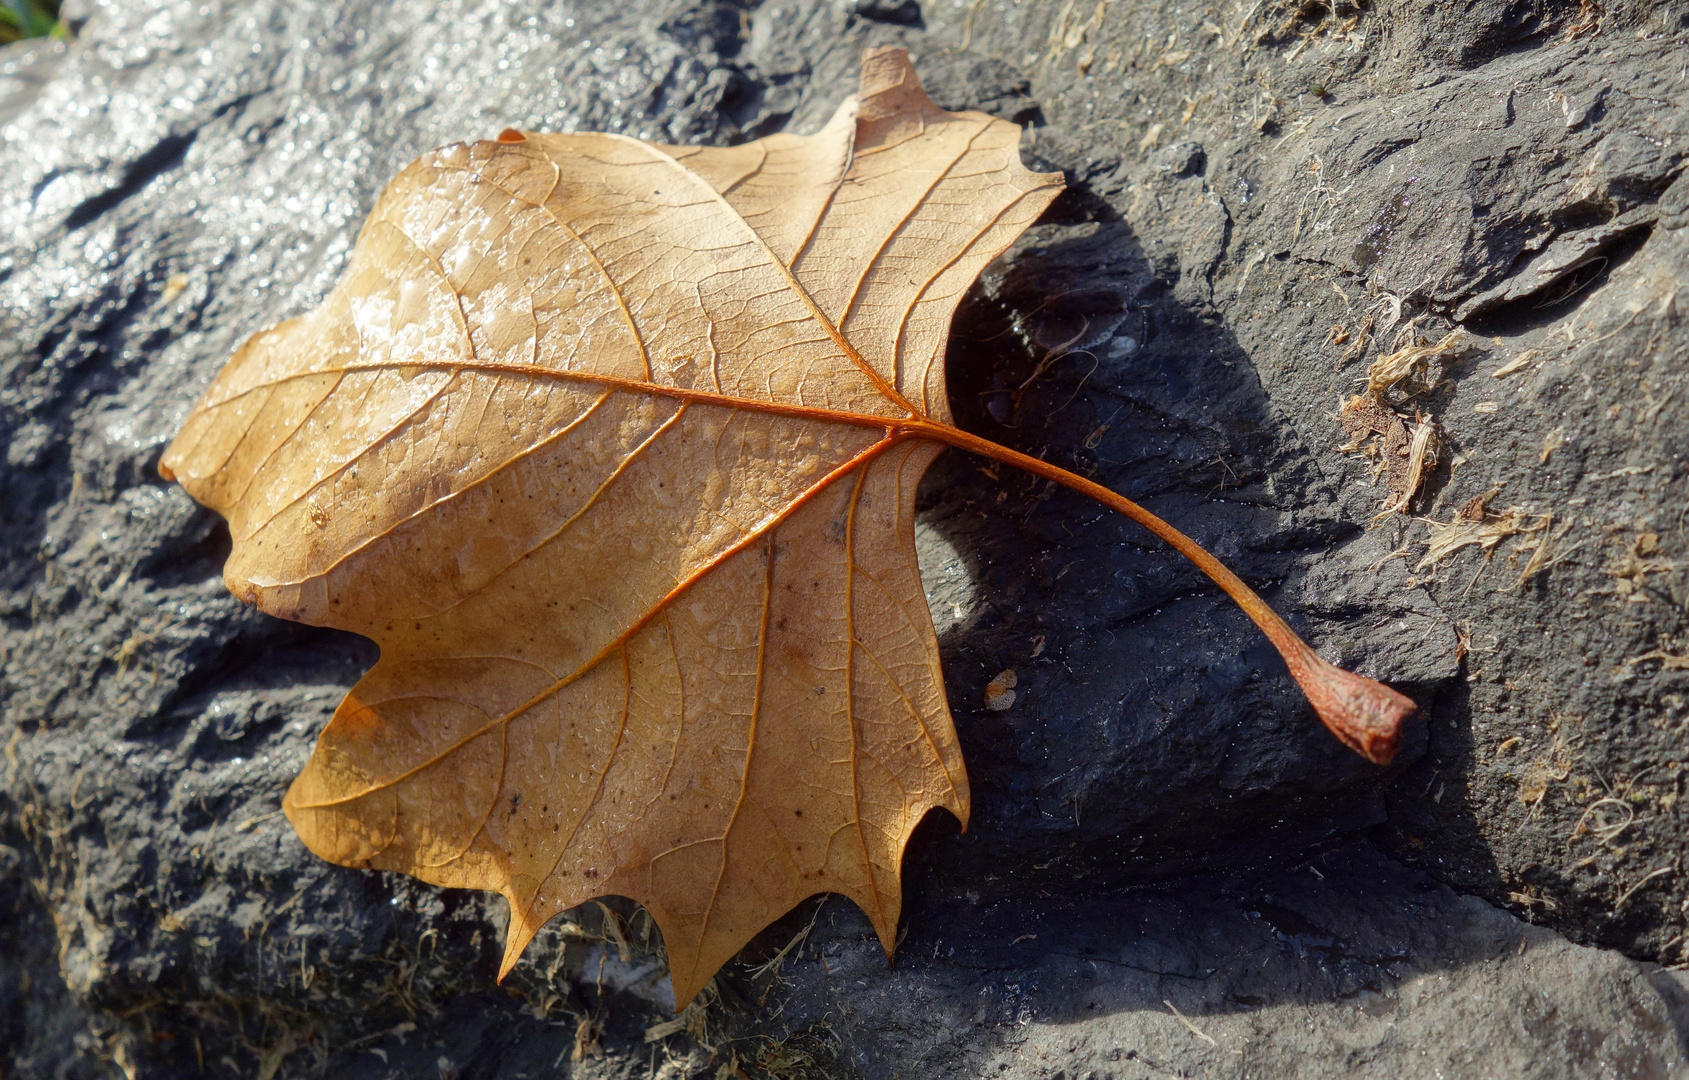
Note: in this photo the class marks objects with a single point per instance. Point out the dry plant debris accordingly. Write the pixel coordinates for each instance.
(1357, 347)
(1667, 661)
(1422, 452)
(1548, 550)
(1485, 532)
(1375, 431)
(173, 288)
(1606, 819)
(1411, 364)
(1539, 774)
(1532, 897)
(1403, 455)
(612, 447)
(1517, 364)
(1630, 570)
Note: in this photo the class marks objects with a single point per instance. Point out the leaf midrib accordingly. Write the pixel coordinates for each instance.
(612, 383)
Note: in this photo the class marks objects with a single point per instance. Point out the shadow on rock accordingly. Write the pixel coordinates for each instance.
(1153, 729)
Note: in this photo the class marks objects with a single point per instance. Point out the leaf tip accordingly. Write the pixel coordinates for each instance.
(517, 935)
(890, 85)
(685, 986)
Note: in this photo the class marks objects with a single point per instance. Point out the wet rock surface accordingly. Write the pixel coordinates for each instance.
(1264, 204)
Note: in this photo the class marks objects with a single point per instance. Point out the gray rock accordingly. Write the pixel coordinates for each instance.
(1343, 965)
(1248, 187)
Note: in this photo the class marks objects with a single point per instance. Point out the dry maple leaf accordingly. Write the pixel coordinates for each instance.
(613, 448)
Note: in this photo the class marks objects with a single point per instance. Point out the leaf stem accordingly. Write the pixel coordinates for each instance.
(1365, 715)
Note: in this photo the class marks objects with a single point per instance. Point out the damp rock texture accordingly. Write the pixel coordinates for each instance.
(1383, 303)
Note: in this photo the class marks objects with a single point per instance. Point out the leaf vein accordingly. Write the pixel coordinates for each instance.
(862, 457)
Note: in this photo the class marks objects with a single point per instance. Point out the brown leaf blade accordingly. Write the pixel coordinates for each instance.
(599, 440)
